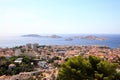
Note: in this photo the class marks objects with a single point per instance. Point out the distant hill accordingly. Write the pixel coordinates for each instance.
(36, 35)
(55, 36)
(31, 35)
(90, 37)
(68, 39)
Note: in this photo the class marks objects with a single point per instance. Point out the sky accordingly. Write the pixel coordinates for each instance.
(59, 17)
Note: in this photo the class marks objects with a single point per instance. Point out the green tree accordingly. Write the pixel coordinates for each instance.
(12, 59)
(3, 60)
(94, 61)
(75, 68)
(92, 68)
(117, 76)
(107, 69)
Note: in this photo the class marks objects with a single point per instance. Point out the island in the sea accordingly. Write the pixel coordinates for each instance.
(31, 35)
(36, 35)
(91, 37)
(69, 39)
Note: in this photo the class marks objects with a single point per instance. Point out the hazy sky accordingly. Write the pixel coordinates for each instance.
(59, 16)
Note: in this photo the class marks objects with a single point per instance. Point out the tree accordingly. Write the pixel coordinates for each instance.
(117, 76)
(75, 68)
(78, 68)
(107, 69)
(3, 60)
(94, 61)
(12, 59)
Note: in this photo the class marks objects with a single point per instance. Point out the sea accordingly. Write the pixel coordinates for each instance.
(112, 41)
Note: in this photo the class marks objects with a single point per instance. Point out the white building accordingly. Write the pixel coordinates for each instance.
(18, 60)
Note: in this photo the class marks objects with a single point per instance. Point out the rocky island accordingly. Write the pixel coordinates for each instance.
(90, 37)
(31, 35)
(54, 36)
(69, 39)
(36, 35)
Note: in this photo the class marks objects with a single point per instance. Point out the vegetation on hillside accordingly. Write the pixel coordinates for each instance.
(24, 66)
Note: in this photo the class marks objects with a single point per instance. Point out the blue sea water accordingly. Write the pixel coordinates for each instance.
(112, 41)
